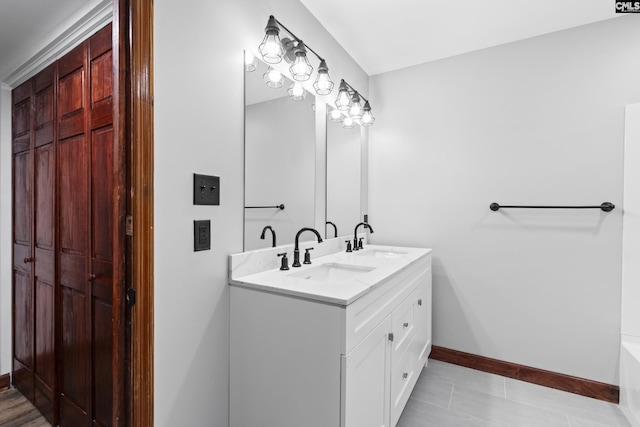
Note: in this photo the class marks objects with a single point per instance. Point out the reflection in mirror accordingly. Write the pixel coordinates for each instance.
(343, 178)
(279, 159)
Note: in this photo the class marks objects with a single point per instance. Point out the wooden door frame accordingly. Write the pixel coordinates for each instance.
(133, 26)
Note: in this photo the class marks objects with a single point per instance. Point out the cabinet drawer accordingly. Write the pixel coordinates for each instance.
(404, 326)
(366, 313)
(402, 381)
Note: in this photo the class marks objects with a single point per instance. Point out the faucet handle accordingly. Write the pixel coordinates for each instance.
(284, 265)
(307, 256)
(348, 242)
(360, 243)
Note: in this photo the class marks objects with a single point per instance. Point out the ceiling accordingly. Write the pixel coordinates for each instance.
(388, 35)
(380, 35)
(25, 24)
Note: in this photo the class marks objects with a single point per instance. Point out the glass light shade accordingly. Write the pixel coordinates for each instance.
(355, 111)
(301, 68)
(343, 101)
(250, 62)
(367, 118)
(273, 78)
(296, 92)
(347, 123)
(323, 84)
(335, 115)
(271, 48)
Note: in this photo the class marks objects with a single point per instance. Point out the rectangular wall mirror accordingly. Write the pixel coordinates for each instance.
(280, 144)
(343, 179)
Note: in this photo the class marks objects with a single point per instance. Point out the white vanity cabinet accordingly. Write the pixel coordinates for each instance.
(298, 361)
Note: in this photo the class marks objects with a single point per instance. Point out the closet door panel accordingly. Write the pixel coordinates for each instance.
(44, 171)
(102, 362)
(44, 246)
(72, 195)
(74, 280)
(102, 223)
(71, 93)
(23, 319)
(22, 199)
(22, 291)
(21, 123)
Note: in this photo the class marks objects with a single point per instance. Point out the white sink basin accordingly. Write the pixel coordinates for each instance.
(332, 272)
(381, 253)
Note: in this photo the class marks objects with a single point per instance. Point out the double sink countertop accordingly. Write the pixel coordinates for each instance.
(339, 278)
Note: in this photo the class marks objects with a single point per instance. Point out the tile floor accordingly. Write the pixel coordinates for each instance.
(450, 395)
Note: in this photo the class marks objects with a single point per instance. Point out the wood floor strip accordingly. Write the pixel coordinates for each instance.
(17, 411)
(581, 386)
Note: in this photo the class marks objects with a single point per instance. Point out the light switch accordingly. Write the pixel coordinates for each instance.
(202, 235)
(206, 189)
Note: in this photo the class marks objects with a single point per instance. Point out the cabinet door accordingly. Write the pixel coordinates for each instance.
(423, 319)
(365, 380)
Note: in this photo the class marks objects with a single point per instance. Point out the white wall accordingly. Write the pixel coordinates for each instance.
(5, 229)
(631, 225)
(538, 121)
(280, 144)
(199, 127)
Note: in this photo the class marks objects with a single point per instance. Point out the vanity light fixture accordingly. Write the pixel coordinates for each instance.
(271, 48)
(297, 92)
(343, 101)
(250, 61)
(323, 84)
(301, 68)
(355, 111)
(273, 78)
(367, 118)
(347, 123)
(294, 51)
(350, 100)
(335, 115)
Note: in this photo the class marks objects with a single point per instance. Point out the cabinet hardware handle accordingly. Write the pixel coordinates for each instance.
(405, 375)
(92, 277)
(405, 325)
(420, 301)
(27, 260)
(391, 337)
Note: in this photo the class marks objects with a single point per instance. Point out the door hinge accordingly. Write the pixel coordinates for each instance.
(131, 296)
(391, 337)
(128, 228)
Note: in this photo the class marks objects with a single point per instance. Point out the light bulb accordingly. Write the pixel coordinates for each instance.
(296, 92)
(355, 111)
(343, 101)
(301, 68)
(271, 48)
(367, 118)
(347, 123)
(273, 78)
(335, 115)
(323, 84)
(250, 62)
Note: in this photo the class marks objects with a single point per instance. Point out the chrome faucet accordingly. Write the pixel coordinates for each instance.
(296, 250)
(273, 235)
(357, 246)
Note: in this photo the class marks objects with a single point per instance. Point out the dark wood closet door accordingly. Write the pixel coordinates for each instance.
(86, 244)
(23, 321)
(44, 162)
(69, 211)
